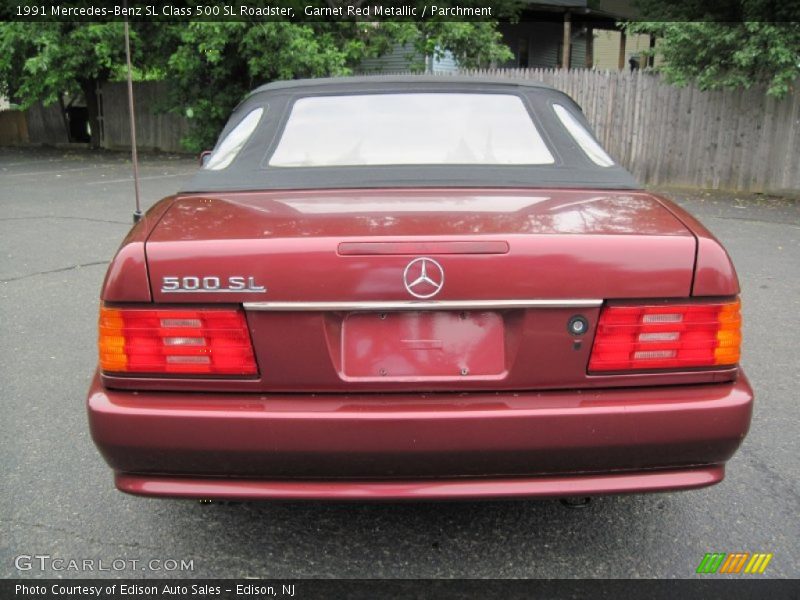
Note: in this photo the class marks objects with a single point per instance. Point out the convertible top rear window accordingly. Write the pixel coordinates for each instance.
(229, 147)
(407, 132)
(410, 129)
(585, 140)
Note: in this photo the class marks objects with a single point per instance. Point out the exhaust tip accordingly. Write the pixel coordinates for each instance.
(576, 501)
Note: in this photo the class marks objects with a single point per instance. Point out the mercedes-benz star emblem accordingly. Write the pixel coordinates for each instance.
(423, 277)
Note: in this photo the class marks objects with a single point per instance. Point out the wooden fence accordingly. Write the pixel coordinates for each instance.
(155, 128)
(732, 139)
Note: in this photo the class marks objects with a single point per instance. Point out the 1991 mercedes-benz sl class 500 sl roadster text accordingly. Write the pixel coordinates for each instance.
(416, 288)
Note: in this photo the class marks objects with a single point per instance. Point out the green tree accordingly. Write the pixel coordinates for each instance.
(726, 44)
(214, 65)
(43, 61)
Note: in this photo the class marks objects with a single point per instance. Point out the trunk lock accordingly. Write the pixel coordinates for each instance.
(578, 325)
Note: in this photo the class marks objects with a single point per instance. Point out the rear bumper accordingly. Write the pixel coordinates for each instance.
(434, 489)
(419, 446)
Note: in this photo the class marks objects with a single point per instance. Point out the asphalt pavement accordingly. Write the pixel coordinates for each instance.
(63, 214)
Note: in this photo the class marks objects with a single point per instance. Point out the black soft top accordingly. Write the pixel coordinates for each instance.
(250, 171)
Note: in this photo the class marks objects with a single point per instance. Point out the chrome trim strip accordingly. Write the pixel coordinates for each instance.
(381, 305)
(217, 291)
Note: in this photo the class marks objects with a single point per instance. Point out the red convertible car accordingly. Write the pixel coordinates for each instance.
(416, 288)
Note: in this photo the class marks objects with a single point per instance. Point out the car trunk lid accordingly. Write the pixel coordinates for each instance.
(355, 245)
(328, 280)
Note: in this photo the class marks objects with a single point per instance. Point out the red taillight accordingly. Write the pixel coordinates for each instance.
(212, 341)
(667, 336)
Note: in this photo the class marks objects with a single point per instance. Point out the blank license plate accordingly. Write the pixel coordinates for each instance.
(423, 345)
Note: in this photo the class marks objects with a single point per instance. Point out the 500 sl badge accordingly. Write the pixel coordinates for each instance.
(194, 284)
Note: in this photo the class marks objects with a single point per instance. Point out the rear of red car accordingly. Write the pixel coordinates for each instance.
(418, 343)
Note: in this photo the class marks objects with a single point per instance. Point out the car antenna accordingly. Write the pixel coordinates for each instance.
(137, 214)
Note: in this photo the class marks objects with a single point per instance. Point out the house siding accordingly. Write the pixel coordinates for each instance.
(538, 45)
(446, 64)
(398, 59)
(403, 58)
(606, 49)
